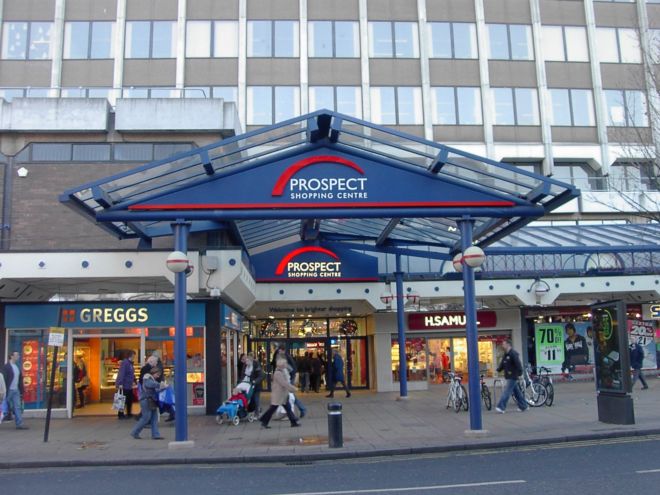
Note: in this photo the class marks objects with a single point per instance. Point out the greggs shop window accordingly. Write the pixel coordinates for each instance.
(97, 337)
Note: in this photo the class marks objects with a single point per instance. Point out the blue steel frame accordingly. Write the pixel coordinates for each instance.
(107, 202)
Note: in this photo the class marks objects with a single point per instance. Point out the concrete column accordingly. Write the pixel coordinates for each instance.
(304, 64)
(364, 61)
(242, 63)
(181, 46)
(600, 108)
(424, 48)
(56, 48)
(120, 37)
(545, 101)
(486, 97)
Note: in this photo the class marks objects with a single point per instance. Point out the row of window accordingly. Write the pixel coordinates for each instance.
(400, 105)
(158, 39)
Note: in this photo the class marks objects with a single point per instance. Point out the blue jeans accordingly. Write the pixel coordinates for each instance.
(300, 406)
(14, 405)
(511, 387)
(147, 416)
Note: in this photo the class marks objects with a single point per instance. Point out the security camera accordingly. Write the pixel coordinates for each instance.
(189, 270)
(214, 292)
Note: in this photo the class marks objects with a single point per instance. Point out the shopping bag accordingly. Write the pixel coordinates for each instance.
(166, 396)
(119, 401)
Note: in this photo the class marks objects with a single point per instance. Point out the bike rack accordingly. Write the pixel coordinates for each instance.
(497, 382)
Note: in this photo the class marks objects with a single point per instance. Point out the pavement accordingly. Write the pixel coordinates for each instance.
(374, 424)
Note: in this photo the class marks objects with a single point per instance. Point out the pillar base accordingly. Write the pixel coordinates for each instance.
(185, 444)
(402, 397)
(476, 433)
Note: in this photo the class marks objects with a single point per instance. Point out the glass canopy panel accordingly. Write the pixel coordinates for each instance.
(365, 228)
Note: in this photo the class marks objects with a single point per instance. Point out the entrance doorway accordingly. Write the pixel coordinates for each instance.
(101, 357)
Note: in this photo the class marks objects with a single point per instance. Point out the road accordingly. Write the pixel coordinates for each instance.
(625, 465)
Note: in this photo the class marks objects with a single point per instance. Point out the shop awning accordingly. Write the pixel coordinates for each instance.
(323, 177)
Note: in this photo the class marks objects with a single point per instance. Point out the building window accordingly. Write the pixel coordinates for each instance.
(453, 39)
(85, 93)
(338, 39)
(515, 106)
(510, 42)
(83, 40)
(639, 175)
(565, 43)
(227, 93)
(456, 106)
(26, 40)
(206, 39)
(618, 45)
(574, 107)
(272, 39)
(626, 108)
(270, 104)
(342, 99)
(147, 92)
(580, 174)
(396, 106)
(393, 39)
(150, 39)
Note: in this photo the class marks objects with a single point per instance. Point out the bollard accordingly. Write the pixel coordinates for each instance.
(335, 434)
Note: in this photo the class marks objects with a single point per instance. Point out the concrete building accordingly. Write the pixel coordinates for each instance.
(562, 88)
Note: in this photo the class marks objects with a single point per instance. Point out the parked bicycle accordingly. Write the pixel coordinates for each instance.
(457, 396)
(544, 378)
(535, 393)
(485, 394)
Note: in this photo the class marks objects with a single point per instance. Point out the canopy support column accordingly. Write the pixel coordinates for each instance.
(403, 364)
(181, 229)
(466, 225)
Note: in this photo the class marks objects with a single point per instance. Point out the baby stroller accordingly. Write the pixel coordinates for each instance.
(232, 411)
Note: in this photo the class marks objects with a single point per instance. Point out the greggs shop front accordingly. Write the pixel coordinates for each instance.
(99, 335)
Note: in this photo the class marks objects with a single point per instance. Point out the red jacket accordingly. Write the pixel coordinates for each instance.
(240, 397)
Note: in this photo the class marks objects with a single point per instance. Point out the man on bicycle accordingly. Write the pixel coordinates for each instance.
(512, 370)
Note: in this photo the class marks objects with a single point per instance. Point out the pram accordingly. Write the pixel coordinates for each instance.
(232, 411)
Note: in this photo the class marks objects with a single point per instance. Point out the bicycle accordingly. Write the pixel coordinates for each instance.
(456, 395)
(535, 393)
(485, 394)
(544, 378)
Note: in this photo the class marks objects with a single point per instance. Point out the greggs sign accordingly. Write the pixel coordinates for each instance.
(303, 263)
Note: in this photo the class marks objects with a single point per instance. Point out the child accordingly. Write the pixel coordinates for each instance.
(238, 396)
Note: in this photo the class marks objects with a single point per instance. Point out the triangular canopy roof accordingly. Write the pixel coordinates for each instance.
(323, 176)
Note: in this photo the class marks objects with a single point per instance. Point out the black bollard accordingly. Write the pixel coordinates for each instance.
(335, 433)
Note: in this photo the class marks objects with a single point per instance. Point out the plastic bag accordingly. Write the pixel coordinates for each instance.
(119, 401)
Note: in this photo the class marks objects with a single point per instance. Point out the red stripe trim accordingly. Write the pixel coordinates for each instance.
(307, 249)
(292, 170)
(275, 206)
(320, 280)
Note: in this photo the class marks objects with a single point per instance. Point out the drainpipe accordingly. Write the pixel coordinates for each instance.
(5, 226)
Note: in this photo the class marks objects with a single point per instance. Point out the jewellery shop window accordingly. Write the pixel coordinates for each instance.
(415, 358)
(34, 355)
(160, 341)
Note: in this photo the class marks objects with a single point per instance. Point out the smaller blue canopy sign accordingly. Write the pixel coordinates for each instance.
(300, 262)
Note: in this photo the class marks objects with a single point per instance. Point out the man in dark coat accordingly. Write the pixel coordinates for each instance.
(512, 367)
(336, 374)
(13, 376)
(636, 361)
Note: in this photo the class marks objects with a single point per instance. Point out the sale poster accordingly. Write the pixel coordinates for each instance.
(644, 333)
(549, 339)
(30, 364)
(563, 346)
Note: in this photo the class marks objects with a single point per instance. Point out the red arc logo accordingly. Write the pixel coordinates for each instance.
(292, 170)
(299, 251)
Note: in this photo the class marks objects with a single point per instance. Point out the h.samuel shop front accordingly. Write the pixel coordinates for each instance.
(98, 335)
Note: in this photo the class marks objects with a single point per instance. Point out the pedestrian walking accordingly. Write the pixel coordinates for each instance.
(124, 384)
(636, 362)
(3, 395)
(280, 388)
(305, 370)
(336, 374)
(315, 374)
(512, 367)
(149, 404)
(82, 380)
(14, 383)
(253, 373)
(292, 370)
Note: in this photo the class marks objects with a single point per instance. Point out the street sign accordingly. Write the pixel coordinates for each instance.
(56, 336)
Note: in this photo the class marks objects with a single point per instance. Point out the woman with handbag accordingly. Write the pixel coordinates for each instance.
(149, 404)
(82, 380)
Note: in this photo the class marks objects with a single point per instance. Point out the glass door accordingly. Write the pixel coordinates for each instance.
(356, 354)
